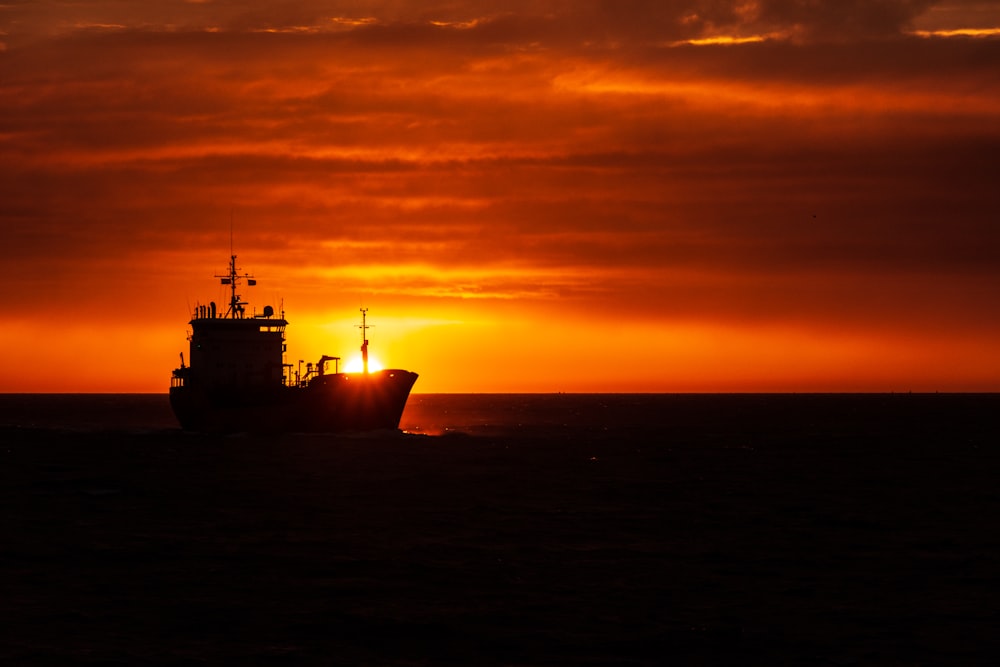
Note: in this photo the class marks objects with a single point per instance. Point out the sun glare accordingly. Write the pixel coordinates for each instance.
(355, 365)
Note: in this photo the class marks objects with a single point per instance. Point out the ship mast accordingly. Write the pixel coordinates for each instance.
(232, 279)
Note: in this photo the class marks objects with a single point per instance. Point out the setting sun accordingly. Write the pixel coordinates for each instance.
(356, 365)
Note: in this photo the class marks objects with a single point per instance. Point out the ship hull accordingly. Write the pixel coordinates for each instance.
(334, 403)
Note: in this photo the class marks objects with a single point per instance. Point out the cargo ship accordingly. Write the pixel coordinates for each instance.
(236, 378)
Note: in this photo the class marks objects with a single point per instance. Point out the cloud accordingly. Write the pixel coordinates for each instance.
(576, 157)
(521, 23)
(203, 116)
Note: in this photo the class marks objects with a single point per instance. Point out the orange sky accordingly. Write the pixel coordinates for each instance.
(779, 195)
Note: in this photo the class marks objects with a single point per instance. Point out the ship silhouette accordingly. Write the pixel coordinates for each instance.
(237, 379)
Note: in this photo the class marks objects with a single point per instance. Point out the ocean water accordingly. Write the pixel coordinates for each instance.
(806, 421)
(554, 529)
(662, 416)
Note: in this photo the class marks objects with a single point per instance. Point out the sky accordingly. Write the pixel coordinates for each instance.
(554, 195)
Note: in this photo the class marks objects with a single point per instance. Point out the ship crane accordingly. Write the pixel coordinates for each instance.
(321, 364)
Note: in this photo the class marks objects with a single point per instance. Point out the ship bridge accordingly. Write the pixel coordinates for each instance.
(231, 350)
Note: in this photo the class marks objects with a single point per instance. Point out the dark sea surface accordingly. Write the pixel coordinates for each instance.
(554, 529)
